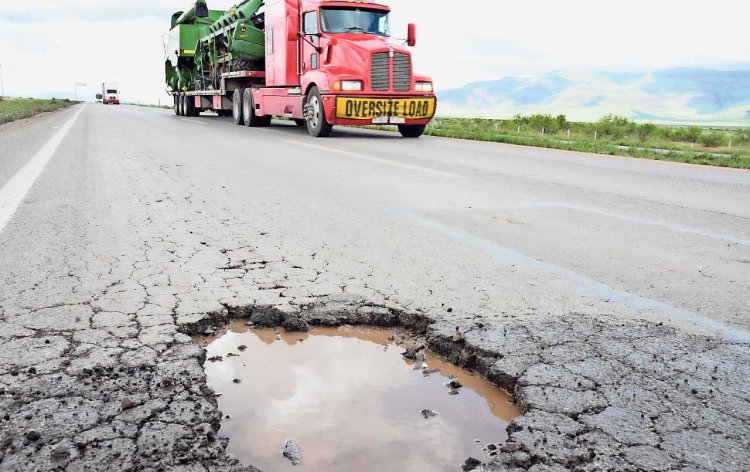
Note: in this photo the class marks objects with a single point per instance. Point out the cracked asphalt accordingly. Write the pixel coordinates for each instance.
(609, 295)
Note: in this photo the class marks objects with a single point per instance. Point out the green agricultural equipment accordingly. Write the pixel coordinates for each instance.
(204, 44)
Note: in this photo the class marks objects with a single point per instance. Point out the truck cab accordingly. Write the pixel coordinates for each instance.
(335, 62)
(110, 94)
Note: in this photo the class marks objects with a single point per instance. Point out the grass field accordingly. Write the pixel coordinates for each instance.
(16, 108)
(611, 135)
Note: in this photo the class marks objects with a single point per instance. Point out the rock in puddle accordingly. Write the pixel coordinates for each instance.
(414, 353)
(295, 325)
(429, 413)
(471, 464)
(292, 451)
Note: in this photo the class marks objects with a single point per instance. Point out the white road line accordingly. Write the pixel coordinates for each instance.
(377, 159)
(15, 190)
(595, 288)
(195, 121)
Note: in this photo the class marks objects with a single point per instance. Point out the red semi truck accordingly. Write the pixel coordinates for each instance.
(327, 63)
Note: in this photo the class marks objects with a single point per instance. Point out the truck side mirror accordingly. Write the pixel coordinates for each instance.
(411, 35)
(292, 28)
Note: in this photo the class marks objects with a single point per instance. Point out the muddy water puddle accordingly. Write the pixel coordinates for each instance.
(350, 400)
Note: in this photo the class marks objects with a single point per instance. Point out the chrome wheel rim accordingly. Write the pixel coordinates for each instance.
(315, 105)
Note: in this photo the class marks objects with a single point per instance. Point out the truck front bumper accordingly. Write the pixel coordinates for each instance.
(378, 110)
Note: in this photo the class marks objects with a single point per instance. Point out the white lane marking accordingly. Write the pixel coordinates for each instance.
(595, 288)
(635, 219)
(379, 160)
(15, 190)
(195, 121)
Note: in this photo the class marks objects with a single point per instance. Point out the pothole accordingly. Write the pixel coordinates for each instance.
(350, 400)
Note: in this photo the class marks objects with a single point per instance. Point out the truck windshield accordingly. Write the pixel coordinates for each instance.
(354, 20)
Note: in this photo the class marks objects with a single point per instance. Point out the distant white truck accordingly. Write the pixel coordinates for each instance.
(110, 93)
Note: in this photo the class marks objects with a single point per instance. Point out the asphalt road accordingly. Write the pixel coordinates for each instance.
(133, 213)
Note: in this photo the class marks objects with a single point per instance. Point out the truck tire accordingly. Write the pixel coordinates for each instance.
(176, 104)
(411, 131)
(180, 103)
(248, 109)
(317, 124)
(237, 106)
(189, 105)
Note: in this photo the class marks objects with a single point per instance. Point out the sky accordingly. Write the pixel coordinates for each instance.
(46, 46)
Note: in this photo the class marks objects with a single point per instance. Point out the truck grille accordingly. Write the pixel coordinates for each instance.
(401, 72)
(379, 72)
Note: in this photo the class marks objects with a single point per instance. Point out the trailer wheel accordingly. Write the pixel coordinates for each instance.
(237, 106)
(248, 109)
(411, 131)
(317, 125)
(176, 104)
(189, 106)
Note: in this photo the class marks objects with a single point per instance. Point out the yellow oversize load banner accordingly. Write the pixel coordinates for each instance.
(369, 108)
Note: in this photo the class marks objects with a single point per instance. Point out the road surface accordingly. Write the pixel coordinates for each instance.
(610, 294)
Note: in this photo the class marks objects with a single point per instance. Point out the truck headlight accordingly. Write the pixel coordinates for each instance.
(424, 87)
(351, 85)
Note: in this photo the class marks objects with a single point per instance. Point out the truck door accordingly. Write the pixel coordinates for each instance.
(310, 59)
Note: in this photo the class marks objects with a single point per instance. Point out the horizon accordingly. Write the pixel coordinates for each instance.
(456, 46)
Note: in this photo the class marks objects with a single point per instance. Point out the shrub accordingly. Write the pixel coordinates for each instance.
(550, 124)
(615, 126)
(713, 139)
(645, 130)
(691, 135)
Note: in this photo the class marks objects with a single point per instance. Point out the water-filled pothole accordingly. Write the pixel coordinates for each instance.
(350, 400)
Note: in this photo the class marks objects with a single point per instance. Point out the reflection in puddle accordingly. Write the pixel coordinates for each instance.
(351, 400)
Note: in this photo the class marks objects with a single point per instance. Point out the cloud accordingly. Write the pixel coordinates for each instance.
(88, 10)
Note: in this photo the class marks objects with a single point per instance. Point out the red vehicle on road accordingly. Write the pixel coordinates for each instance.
(327, 63)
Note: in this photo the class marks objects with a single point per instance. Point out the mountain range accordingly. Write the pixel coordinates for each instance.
(678, 96)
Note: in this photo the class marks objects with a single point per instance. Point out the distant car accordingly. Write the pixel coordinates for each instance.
(99, 97)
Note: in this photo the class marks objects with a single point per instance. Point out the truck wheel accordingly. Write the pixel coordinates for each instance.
(411, 131)
(180, 109)
(176, 104)
(189, 106)
(237, 106)
(317, 125)
(248, 109)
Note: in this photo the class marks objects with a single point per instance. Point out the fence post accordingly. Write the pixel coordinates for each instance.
(730, 144)
(568, 134)
(542, 131)
(519, 129)
(595, 135)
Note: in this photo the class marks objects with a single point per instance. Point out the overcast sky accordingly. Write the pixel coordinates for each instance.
(47, 45)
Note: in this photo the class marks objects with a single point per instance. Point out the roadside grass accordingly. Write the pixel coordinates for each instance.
(12, 109)
(612, 135)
